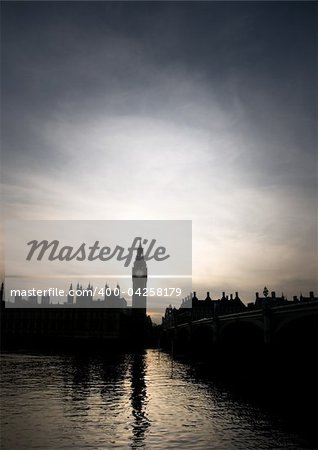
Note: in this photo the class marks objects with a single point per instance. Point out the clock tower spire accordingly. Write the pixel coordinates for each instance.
(139, 280)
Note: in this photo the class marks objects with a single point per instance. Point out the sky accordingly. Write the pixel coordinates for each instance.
(170, 110)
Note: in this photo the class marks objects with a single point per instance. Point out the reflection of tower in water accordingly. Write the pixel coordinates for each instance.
(139, 280)
(138, 399)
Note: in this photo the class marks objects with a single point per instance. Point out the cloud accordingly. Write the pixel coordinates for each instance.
(175, 111)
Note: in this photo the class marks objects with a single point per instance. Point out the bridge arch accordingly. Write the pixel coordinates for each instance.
(243, 332)
(297, 334)
(304, 322)
(202, 337)
(240, 347)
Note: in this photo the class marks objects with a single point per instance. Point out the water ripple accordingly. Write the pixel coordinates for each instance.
(125, 401)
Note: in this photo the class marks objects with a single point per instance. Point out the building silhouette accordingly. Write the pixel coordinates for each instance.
(80, 318)
(139, 279)
(192, 308)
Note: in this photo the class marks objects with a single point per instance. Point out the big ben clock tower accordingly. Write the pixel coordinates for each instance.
(139, 280)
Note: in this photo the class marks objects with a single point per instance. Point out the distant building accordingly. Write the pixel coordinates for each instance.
(84, 297)
(33, 300)
(273, 300)
(70, 296)
(113, 299)
(308, 299)
(139, 279)
(81, 318)
(194, 309)
(45, 300)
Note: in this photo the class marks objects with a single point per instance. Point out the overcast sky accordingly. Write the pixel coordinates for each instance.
(185, 110)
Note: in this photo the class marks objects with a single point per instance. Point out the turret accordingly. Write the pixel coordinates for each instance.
(139, 280)
(70, 295)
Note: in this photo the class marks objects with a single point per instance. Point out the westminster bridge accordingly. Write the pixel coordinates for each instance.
(207, 326)
(266, 351)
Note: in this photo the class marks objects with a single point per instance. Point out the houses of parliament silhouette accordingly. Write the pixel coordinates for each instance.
(83, 297)
(81, 319)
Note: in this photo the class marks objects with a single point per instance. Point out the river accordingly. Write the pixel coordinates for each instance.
(126, 401)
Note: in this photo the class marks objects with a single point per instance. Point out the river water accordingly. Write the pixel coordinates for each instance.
(126, 401)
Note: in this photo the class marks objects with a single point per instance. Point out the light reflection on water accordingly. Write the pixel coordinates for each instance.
(124, 401)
